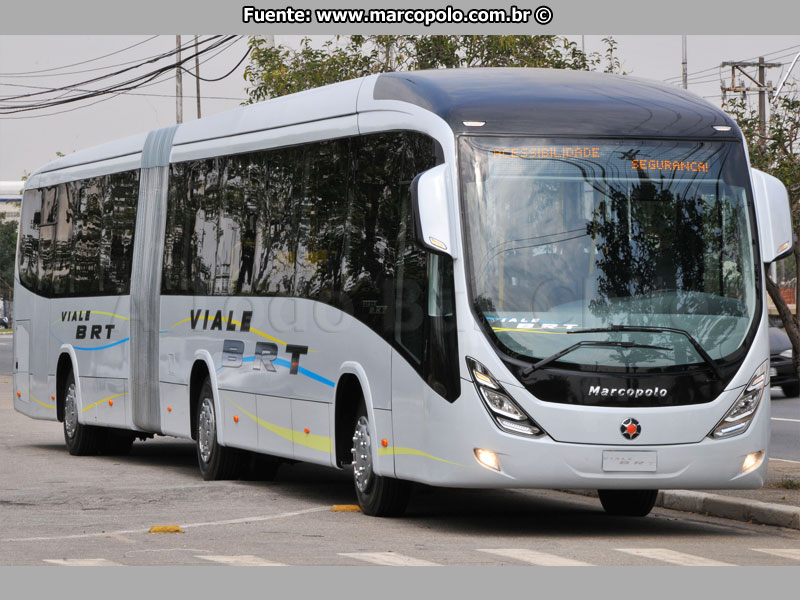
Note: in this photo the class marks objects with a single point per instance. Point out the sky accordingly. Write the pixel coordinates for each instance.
(29, 140)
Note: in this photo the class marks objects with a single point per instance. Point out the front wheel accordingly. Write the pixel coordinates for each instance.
(216, 462)
(377, 496)
(791, 390)
(628, 503)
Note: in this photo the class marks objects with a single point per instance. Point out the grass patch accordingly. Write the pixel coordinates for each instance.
(7, 330)
(787, 483)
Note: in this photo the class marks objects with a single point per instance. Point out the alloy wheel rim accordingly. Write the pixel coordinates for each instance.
(206, 429)
(362, 455)
(70, 412)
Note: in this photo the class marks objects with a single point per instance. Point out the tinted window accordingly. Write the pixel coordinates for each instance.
(28, 252)
(77, 238)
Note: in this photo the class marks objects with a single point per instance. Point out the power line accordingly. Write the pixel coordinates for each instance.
(109, 75)
(678, 77)
(153, 79)
(123, 86)
(115, 65)
(32, 73)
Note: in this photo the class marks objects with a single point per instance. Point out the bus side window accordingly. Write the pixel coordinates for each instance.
(28, 253)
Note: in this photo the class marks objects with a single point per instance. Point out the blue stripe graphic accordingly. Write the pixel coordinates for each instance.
(285, 363)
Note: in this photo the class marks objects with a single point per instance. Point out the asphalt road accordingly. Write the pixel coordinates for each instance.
(57, 509)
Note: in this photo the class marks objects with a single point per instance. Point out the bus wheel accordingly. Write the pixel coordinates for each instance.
(216, 462)
(115, 442)
(628, 503)
(82, 440)
(377, 495)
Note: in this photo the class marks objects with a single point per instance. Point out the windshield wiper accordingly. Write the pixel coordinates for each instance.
(608, 344)
(648, 329)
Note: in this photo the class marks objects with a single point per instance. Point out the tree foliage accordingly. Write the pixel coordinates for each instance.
(8, 248)
(778, 153)
(277, 71)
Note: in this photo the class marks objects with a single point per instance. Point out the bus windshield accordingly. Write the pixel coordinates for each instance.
(646, 240)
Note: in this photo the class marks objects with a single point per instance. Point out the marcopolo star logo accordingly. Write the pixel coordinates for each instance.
(630, 429)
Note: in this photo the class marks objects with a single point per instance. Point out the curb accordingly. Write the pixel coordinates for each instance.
(724, 507)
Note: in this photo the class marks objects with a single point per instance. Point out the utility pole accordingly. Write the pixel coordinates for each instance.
(178, 84)
(683, 64)
(197, 73)
(761, 86)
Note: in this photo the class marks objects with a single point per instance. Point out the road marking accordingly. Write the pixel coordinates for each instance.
(244, 560)
(389, 559)
(675, 558)
(79, 536)
(784, 419)
(542, 559)
(797, 462)
(81, 562)
(792, 553)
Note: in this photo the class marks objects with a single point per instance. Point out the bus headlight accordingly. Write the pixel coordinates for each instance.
(506, 413)
(740, 415)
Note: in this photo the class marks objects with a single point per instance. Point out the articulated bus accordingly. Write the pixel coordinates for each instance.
(484, 278)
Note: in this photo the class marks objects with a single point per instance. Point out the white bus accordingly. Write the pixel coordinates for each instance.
(466, 278)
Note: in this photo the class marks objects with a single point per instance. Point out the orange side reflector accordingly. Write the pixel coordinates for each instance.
(169, 409)
(235, 418)
(384, 442)
(111, 403)
(19, 394)
(52, 397)
(307, 430)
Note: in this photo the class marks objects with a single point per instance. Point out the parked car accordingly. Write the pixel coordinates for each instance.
(4, 323)
(781, 371)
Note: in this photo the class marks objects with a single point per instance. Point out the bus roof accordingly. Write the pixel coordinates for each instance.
(523, 101)
(557, 102)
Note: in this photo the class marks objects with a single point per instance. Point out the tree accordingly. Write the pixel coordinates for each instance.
(8, 248)
(276, 71)
(778, 153)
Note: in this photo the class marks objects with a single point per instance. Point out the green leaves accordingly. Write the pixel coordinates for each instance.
(277, 71)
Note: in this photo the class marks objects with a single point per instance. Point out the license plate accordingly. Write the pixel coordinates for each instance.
(773, 372)
(629, 461)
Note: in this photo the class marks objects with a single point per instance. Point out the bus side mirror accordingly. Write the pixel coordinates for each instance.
(429, 201)
(773, 216)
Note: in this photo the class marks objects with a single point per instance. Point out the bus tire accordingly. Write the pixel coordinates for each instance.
(81, 440)
(115, 442)
(216, 462)
(791, 390)
(378, 496)
(260, 467)
(628, 503)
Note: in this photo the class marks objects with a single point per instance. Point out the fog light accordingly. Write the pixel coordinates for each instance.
(752, 461)
(487, 458)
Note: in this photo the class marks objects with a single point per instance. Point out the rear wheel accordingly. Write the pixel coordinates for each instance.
(216, 462)
(115, 442)
(791, 390)
(628, 503)
(378, 496)
(81, 440)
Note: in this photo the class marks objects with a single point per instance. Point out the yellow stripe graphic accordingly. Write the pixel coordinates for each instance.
(85, 408)
(235, 322)
(529, 331)
(108, 314)
(35, 399)
(94, 312)
(309, 440)
(395, 451)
